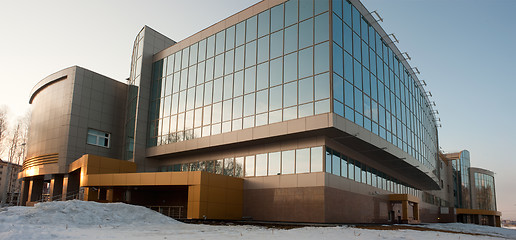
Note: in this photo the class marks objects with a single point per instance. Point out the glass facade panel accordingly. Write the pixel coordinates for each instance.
(271, 67)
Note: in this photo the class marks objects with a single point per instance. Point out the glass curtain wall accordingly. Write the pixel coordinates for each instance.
(372, 88)
(269, 68)
(462, 192)
(485, 192)
(341, 165)
(295, 161)
(133, 85)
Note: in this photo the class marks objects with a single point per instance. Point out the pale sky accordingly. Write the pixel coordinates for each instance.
(464, 49)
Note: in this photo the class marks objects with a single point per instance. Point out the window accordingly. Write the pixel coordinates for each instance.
(98, 138)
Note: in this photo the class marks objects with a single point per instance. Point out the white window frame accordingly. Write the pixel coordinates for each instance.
(100, 136)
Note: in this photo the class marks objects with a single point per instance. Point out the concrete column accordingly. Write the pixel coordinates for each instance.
(56, 186)
(35, 189)
(416, 211)
(404, 210)
(65, 187)
(110, 195)
(24, 192)
(90, 194)
(70, 184)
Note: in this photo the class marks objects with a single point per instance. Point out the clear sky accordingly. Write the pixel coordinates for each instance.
(465, 50)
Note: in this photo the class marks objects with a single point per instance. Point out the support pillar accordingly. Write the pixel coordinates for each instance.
(24, 192)
(56, 186)
(416, 211)
(71, 185)
(404, 211)
(35, 190)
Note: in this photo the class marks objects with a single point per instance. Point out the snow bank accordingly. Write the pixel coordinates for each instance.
(83, 214)
(90, 220)
(473, 228)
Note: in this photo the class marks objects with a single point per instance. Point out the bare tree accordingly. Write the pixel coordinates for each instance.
(3, 127)
(15, 144)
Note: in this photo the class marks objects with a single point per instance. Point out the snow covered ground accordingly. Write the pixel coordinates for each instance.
(90, 220)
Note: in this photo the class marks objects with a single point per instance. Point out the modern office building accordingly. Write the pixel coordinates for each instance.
(298, 111)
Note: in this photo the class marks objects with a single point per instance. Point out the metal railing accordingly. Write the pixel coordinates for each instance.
(176, 212)
(79, 194)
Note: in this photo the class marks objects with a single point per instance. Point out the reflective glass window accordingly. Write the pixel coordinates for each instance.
(291, 39)
(209, 69)
(220, 40)
(275, 116)
(263, 49)
(306, 9)
(344, 166)
(288, 159)
(210, 47)
(217, 90)
(348, 94)
(262, 76)
(322, 86)
(250, 54)
(291, 8)
(263, 23)
(229, 166)
(335, 163)
(219, 66)
(322, 106)
(321, 26)
(261, 164)
(338, 87)
(274, 163)
(217, 113)
(206, 115)
(289, 94)
(202, 50)
(290, 113)
(306, 63)
(276, 96)
(227, 110)
(321, 6)
(237, 107)
(337, 60)
(346, 12)
(262, 101)
(316, 159)
(239, 83)
(239, 167)
(240, 34)
(199, 95)
(337, 30)
(251, 29)
(290, 67)
(303, 160)
(306, 90)
(277, 18)
(276, 44)
(357, 47)
(337, 7)
(250, 80)
(306, 110)
(208, 93)
(228, 66)
(328, 160)
(249, 166)
(239, 58)
(321, 58)
(228, 87)
(249, 104)
(348, 39)
(276, 72)
(200, 72)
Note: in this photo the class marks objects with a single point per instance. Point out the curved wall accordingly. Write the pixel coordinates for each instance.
(483, 194)
(50, 119)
